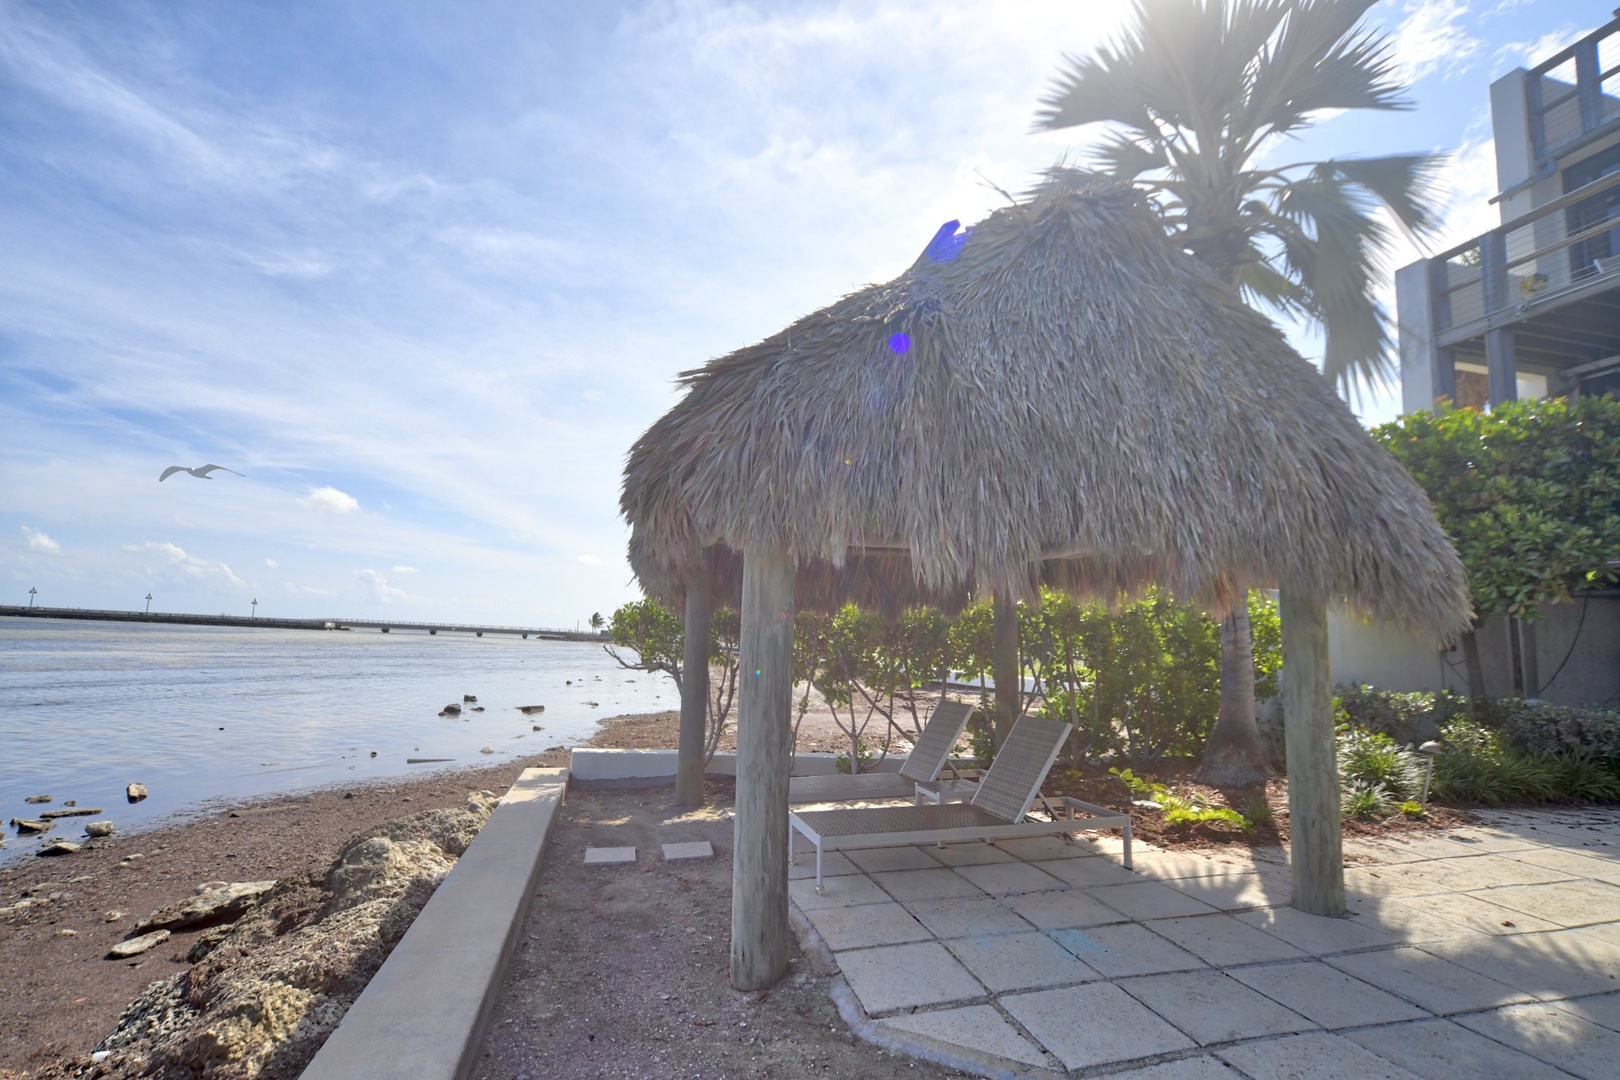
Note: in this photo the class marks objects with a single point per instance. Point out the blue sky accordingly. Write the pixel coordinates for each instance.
(423, 272)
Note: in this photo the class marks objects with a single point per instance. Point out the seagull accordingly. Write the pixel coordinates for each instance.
(200, 472)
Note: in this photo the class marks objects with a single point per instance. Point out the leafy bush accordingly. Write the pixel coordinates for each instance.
(1180, 809)
(1369, 759)
(1481, 766)
(1365, 802)
(1537, 727)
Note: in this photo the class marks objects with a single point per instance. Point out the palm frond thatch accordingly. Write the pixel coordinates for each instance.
(1069, 399)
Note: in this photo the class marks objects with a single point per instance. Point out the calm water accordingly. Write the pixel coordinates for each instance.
(204, 713)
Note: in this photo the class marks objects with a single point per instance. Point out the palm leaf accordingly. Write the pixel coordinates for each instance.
(1402, 182)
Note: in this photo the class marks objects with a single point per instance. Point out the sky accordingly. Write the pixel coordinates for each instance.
(423, 272)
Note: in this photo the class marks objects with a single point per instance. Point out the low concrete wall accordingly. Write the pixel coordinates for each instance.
(423, 1014)
(595, 768)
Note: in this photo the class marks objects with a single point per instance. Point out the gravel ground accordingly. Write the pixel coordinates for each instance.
(621, 971)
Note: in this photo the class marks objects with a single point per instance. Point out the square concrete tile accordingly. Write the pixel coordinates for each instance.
(877, 860)
(940, 883)
(1029, 961)
(1192, 1068)
(1089, 872)
(1602, 1009)
(977, 1026)
(867, 925)
(1412, 920)
(843, 891)
(1146, 900)
(609, 856)
(690, 849)
(1554, 1035)
(977, 854)
(906, 976)
(1223, 941)
(966, 917)
(1212, 1008)
(1034, 848)
(1496, 871)
(1064, 907)
(1441, 1050)
(1093, 1024)
(1327, 995)
(1573, 864)
(1004, 879)
(1172, 865)
(1426, 980)
(1472, 911)
(1558, 964)
(833, 864)
(1316, 934)
(1125, 949)
(1313, 1056)
(1236, 892)
(1569, 903)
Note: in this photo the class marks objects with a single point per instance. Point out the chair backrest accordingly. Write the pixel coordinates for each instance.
(937, 740)
(1015, 777)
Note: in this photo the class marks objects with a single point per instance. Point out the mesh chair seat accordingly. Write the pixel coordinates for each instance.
(861, 821)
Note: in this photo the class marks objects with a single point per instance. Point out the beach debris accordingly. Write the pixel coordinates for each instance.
(477, 708)
(30, 826)
(113, 916)
(570, 682)
(98, 1056)
(58, 847)
(530, 710)
(374, 753)
(537, 727)
(24, 904)
(215, 902)
(451, 709)
(593, 704)
(99, 828)
(71, 802)
(135, 792)
(137, 945)
(77, 811)
(486, 749)
(65, 932)
(469, 697)
(426, 760)
(37, 799)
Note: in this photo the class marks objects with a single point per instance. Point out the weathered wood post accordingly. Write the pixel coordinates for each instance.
(759, 867)
(1315, 830)
(695, 683)
(1004, 662)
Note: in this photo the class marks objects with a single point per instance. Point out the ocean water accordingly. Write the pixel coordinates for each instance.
(203, 714)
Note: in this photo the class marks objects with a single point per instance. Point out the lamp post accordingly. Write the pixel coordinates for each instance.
(255, 607)
(1430, 750)
(31, 594)
(149, 603)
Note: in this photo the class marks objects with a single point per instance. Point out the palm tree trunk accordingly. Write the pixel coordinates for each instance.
(1009, 680)
(1233, 753)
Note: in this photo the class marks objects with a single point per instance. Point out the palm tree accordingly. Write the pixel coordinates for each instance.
(1195, 93)
(596, 620)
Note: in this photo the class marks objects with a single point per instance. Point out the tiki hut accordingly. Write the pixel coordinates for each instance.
(1057, 395)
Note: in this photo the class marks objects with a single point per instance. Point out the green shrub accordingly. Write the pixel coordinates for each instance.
(1370, 759)
(1365, 802)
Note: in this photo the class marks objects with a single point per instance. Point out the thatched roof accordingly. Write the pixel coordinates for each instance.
(1065, 397)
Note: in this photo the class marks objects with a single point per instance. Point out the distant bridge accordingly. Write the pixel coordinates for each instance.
(264, 622)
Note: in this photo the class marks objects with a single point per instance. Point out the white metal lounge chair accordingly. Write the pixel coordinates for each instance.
(924, 763)
(997, 811)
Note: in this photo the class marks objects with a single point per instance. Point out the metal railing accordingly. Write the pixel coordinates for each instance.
(1575, 94)
(1561, 247)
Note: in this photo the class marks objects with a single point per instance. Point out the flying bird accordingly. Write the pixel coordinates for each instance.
(200, 472)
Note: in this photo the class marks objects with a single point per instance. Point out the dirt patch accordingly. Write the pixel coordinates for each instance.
(623, 970)
(59, 997)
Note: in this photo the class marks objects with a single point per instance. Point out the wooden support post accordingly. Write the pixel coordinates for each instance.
(1315, 829)
(695, 684)
(1004, 663)
(759, 866)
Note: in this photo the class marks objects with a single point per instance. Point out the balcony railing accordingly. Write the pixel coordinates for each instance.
(1574, 96)
(1561, 248)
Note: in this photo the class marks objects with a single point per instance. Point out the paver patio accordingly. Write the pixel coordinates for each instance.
(1492, 950)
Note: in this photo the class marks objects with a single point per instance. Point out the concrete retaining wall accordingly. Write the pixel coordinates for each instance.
(594, 768)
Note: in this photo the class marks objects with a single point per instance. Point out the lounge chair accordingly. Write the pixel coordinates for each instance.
(927, 758)
(997, 811)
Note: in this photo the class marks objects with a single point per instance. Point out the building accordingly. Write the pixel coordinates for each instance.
(1529, 309)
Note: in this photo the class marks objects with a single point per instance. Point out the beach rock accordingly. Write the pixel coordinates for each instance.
(83, 811)
(486, 749)
(30, 826)
(113, 916)
(135, 792)
(71, 802)
(451, 709)
(593, 704)
(137, 945)
(478, 708)
(374, 753)
(220, 904)
(530, 710)
(100, 828)
(58, 847)
(469, 697)
(37, 799)
(207, 942)
(537, 727)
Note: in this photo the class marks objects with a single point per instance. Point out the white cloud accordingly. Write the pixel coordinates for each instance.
(406, 570)
(384, 592)
(309, 590)
(330, 500)
(271, 563)
(38, 541)
(191, 565)
(1531, 53)
(590, 560)
(1432, 38)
